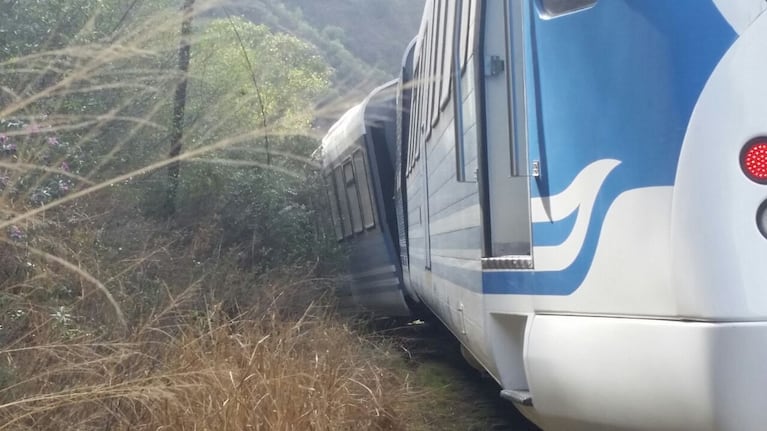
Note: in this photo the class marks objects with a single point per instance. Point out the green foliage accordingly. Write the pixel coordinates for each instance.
(269, 219)
(245, 77)
(254, 86)
(91, 74)
(362, 40)
(39, 26)
(348, 69)
(36, 26)
(94, 102)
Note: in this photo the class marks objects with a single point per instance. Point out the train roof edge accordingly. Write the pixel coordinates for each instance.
(353, 124)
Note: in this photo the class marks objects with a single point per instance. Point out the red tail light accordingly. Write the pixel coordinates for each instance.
(753, 160)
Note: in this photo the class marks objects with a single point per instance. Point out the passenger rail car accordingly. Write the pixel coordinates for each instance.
(358, 167)
(578, 190)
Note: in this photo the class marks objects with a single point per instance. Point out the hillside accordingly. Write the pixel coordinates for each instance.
(376, 31)
(362, 40)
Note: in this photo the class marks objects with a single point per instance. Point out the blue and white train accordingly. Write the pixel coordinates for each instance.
(578, 190)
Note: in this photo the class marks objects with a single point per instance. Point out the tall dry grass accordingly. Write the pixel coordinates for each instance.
(207, 344)
(270, 369)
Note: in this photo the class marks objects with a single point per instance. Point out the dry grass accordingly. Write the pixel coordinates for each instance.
(205, 345)
(209, 345)
(271, 369)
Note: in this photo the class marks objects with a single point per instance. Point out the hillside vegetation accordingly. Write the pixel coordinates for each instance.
(363, 41)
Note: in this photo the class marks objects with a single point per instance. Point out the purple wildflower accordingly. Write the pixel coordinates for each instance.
(64, 166)
(15, 233)
(3, 138)
(53, 141)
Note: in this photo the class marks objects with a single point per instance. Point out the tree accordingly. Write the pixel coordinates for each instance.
(179, 103)
(233, 53)
(243, 76)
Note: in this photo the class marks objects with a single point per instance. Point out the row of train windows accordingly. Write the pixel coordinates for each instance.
(445, 47)
(443, 54)
(351, 200)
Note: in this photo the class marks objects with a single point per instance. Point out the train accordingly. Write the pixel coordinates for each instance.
(577, 189)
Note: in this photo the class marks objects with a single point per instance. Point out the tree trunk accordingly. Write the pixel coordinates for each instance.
(179, 104)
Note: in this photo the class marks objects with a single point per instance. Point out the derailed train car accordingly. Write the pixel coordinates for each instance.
(578, 191)
(358, 167)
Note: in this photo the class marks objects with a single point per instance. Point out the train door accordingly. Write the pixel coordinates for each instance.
(505, 178)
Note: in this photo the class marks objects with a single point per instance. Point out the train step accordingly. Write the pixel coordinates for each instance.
(517, 397)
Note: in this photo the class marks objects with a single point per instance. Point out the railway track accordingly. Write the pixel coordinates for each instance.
(468, 399)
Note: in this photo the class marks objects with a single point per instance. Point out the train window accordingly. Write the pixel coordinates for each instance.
(423, 94)
(555, 8)
(429, 76)
(366, 199)
(342, 202)
(413, 135)
(437, 60)
(447, 65)
(352, 197)
(410, 128)
(335, 215)
(466, 8)
(410, 137)
(473, 12)
(414, 122)
(465, 106)
(418, 111)
(409, 143)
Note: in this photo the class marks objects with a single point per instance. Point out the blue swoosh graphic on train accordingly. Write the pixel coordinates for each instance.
(558, 278)
(579, 196)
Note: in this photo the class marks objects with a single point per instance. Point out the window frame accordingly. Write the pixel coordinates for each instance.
(352, 196)
(335, 211)
(414, 117)
(428, 79)
(466, 14)
(449, 53)
(423, 134)
(343, 202)
(366, 199)
(438, 59)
